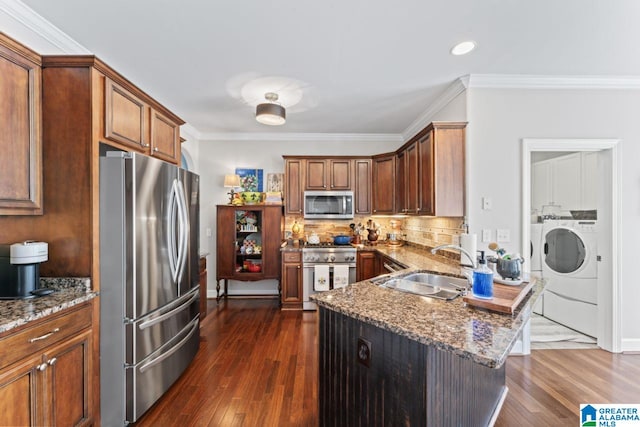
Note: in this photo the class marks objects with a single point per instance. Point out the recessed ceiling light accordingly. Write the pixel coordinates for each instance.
(463, 48)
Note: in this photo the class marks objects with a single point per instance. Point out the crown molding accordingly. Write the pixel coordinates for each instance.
(190, 133)
(458, 86)
(30, 19)
(303, 137)
(526, 81)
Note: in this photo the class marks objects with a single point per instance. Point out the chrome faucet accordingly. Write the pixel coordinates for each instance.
(462, 250)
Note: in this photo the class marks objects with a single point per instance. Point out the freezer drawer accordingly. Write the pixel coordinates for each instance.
(148, 380)
(146, 335)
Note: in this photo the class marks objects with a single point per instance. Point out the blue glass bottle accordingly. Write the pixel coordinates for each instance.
(482, 280)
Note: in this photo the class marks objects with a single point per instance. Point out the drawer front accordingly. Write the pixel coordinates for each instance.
(32, 339)
(291, 257)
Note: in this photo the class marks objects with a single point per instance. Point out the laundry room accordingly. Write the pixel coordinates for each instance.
(564, 233)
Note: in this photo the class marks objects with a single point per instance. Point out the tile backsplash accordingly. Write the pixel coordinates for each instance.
(420, 230)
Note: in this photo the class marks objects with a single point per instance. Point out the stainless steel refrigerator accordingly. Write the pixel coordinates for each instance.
(149, 292)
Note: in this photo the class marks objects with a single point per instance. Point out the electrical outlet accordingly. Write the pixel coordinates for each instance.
(487, 204)
(503, 235)
(208, 231)
(364, 352)
(486, 236)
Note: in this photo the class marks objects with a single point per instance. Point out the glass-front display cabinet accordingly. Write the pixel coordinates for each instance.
(247, 243)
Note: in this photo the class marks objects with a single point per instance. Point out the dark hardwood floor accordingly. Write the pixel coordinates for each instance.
(258, 366)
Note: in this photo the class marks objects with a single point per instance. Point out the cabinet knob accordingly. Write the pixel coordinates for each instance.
(145, 145)
(42, 367)
(298, 267)
(156, 149)
(53, 361)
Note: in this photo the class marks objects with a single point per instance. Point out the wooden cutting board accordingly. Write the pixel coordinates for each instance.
(505, 298)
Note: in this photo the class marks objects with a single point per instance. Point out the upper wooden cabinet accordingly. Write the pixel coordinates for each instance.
(130, 121)
(293, 185)
(384, 183)
(408, 179)
(328, 174)
(362, 181)
(21, 135)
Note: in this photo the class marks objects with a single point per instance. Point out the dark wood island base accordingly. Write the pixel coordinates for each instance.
(369, 376)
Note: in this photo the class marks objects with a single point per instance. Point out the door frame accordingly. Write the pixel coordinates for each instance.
(610, 316)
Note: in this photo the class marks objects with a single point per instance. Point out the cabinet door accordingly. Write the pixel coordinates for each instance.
(541, 189)
(20, 402)
(70, 372)
(383, 187)
(449, 170)
(225, 242)
(271, 238)
(340, 174)
(566, 182)
(412, 178)
(425, 163)
(165, 138)
(125, 117)
(21, 135)
(316, 175)
(589, 181)
(362, 191)
(293, 186)
(367, 265)
(401, 182)
(291, 280)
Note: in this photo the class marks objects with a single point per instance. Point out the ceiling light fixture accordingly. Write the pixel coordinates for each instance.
(270, 113)
(463, 48)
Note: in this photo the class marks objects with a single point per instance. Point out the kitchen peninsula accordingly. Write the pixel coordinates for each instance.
(392, 358)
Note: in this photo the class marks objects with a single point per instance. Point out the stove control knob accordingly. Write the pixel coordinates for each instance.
(326, 258)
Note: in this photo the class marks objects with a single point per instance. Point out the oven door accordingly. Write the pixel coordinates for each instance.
(307, 283)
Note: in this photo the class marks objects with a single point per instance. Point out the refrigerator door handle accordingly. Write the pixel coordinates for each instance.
(171, 235)
(151, 363)
(156, 320)
(183, 223)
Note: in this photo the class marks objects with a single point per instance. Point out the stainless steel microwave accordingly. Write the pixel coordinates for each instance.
(328, 204)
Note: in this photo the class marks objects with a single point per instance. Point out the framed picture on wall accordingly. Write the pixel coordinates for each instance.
(251, 179)
(275, 182)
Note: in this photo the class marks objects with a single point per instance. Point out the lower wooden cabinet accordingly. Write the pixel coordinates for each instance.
(50, 382)
(202, 281)
(367, 265)
(291, 281)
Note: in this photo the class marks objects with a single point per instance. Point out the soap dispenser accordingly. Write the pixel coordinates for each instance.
(482, 279)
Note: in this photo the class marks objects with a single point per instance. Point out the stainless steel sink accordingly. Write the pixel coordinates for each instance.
(437, 280)
(427, 285)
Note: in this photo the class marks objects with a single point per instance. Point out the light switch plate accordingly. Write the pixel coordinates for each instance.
(208, 231)
(486, 236)
(487, 204)
(503, 235)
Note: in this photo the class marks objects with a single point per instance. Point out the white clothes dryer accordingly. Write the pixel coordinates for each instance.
(569, 265)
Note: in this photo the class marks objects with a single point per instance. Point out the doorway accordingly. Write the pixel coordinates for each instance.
(606, 187)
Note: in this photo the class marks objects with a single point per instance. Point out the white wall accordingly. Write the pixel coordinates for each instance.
(216, 158)
(498, 121)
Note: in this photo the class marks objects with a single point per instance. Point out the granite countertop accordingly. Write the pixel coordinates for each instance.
(70, 291)
(484, 336)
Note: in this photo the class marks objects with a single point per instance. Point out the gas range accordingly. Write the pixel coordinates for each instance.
(328, 253)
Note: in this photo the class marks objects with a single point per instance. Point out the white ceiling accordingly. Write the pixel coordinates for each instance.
(364, 67)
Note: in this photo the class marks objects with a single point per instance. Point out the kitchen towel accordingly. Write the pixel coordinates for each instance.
(340, 276)
(321, 277)
(469, 243)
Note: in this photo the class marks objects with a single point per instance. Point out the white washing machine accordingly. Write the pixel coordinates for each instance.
(535, 260)
(569, 264)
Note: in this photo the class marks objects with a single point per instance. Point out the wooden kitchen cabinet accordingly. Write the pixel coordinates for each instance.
(291, 297)
(383, 184)
(248, 243)
(408, 179)
(21, 136)
(46, 371)
(202, 281)
(362, 181)
(328, 174)
(132, 122)
(367, 265)
(441, 169)
(293, 186)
